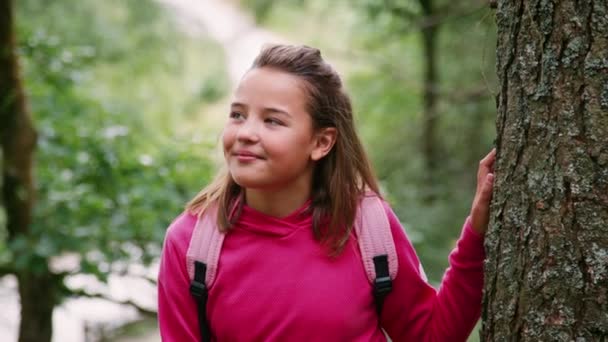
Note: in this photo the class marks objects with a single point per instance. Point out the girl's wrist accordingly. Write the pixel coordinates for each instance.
(475, 226)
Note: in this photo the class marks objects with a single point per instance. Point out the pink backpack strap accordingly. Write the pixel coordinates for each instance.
(374, 236)
(205, 245)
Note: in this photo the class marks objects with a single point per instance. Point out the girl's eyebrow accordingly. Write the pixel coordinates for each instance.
(238, 104)
(265, 109)
(276, 110)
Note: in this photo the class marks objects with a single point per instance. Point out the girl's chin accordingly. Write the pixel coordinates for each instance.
(247, 183)
(255, 185)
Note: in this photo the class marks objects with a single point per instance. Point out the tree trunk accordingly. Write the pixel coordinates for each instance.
(18, 139)
(547, 246)
(38, 299)
(429, 115)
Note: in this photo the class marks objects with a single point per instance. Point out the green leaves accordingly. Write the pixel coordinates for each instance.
(110, 173)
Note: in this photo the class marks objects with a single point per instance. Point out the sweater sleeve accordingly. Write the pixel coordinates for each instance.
(415, 311)
(177, 313)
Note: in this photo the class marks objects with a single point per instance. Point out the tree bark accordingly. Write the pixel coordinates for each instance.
(18, 139)
(547, 246)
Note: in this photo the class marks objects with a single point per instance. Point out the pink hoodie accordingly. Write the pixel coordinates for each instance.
(276, 283)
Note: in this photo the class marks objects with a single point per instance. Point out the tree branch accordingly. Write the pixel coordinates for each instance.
(401, 11)
(139, 275)
(433, 16)
(144, 311)
(441, 17)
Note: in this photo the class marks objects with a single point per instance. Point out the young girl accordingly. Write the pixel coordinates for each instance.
(290, 268)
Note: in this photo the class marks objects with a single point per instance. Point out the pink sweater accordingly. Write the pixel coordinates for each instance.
(275, 283)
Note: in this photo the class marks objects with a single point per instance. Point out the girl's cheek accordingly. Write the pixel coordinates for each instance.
(228, 136)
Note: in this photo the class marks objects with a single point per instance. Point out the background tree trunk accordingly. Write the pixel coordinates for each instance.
(18, 139)
(430, 115)
(547, 267)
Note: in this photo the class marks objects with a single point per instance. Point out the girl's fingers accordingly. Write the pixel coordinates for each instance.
(489, 182)
(486, 190)
(489, 159)
(486, 166)
(481, 205)
(480, 211)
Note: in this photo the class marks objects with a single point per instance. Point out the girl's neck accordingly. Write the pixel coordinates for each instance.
(277, 203)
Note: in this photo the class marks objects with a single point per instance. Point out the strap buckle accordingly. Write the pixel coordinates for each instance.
(382, 286)
(198, 290)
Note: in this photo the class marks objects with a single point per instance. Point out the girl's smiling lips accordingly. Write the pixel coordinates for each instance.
(244, 155)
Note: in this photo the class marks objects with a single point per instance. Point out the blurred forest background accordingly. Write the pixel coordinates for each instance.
(128, 100)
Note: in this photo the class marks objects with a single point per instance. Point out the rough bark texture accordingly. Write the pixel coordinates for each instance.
(547, 246)
(18, 140)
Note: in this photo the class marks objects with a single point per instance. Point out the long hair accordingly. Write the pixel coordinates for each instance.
(340, 179)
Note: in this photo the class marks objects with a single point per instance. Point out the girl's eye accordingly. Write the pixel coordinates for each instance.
(274, 122)
(236, 115)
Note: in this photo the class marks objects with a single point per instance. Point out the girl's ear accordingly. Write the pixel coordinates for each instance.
(324, 142)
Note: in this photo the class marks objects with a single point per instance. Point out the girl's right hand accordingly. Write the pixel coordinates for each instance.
(480, 210)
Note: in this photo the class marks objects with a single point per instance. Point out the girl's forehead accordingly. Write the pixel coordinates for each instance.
(266, 84)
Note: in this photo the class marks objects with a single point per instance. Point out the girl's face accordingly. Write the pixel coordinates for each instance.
(269, 141)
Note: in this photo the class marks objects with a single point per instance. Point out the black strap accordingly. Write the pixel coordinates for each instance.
(383, 283)
(199, 291)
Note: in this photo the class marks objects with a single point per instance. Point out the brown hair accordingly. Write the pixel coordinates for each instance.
(340, 179)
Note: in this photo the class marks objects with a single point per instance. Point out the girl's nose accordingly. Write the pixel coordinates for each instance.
(248, 131)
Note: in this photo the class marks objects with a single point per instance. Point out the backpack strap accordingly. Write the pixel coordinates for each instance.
(205, 245)
(201, 262)
(198, 290)
(377, 246)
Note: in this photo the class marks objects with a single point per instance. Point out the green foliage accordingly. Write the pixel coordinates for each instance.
(262, 9)
(389, 100)
(105, 86)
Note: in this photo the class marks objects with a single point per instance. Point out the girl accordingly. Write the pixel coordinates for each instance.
(289, 268)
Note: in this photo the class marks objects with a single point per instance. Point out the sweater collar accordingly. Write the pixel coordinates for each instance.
(258, 222)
